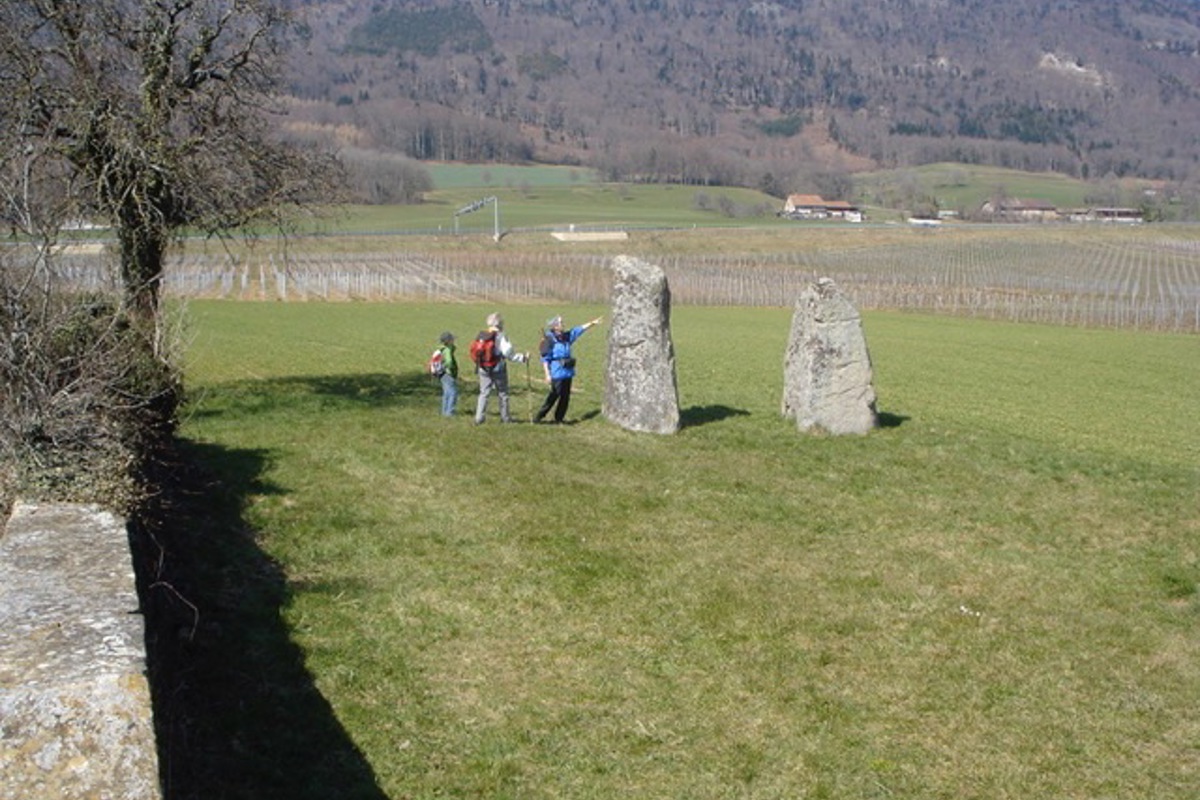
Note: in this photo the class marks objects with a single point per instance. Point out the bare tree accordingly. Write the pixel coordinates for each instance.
(376, 178)
(151, 116)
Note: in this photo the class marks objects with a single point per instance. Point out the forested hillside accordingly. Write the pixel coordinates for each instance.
(760, 93)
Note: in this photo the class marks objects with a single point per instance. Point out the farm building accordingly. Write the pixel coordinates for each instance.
(1042, 211)
(1106, 214)
(813, 206)
(1021, 210)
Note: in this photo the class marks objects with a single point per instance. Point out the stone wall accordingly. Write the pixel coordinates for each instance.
(75, 706)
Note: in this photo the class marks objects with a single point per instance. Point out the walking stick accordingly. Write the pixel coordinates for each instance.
(528, 392)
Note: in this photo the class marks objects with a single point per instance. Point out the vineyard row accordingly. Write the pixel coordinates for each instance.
(1139, 285)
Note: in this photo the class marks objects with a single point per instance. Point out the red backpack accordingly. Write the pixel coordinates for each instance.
(485, 351)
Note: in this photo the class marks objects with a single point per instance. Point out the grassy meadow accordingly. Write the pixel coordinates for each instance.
(450, 175)
(586, 204)
(542, 196)
(993, 595)
(965, 187)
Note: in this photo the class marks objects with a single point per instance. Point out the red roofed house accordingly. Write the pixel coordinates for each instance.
(813, 206)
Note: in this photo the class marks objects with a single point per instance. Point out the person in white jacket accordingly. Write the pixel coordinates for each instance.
(491, 351)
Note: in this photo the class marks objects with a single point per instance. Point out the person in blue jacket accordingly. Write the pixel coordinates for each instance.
(559, 366)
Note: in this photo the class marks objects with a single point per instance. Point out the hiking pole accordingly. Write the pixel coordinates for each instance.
(528, 392)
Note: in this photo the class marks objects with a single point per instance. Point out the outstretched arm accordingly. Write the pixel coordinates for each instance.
(507, 350)
(579, 330)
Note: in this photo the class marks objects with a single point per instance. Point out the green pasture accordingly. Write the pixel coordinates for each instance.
(968, 186)
(495, 176)
(550, 205)
(993, 595)
(546, 196)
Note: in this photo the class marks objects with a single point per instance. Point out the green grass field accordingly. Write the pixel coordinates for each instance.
(558, 205)
(967, 186)
(537, 196)
(993, 595)
(485, 176)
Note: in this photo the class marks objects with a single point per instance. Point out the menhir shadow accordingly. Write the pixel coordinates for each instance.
(236, 712)
(884, 419)
(702, 415)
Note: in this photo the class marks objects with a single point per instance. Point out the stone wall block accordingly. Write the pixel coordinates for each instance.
(75, 706)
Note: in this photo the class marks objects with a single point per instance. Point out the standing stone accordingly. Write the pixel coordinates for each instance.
(640, 391)
(827, 369)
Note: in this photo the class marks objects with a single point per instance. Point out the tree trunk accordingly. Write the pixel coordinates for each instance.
(143, 248)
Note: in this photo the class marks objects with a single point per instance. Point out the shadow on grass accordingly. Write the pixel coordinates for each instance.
(702, 415)
(375, 390)
(236, 712)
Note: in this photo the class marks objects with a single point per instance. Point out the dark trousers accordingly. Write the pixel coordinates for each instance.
(560, 394)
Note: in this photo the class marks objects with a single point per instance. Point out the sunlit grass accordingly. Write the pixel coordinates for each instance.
(991, 596)
(554, 205)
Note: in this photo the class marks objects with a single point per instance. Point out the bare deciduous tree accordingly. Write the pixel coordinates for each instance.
(151, 116)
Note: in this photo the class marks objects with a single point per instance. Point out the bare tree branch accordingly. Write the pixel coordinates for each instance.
(152, 127)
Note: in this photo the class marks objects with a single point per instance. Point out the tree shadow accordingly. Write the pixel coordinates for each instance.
(236, 712)
(330, 392)
(702, 415)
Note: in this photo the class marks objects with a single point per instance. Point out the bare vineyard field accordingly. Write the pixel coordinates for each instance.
(1145, 277)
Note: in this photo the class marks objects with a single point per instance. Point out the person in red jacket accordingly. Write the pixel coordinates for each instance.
(490, 351)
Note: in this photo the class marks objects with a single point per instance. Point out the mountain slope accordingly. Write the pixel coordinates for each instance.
(717, 91)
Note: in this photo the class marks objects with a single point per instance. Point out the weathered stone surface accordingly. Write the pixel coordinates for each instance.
(827, 378)
(640, 389)
(75, 711)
